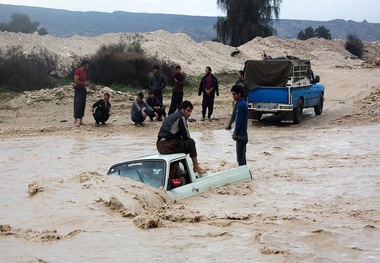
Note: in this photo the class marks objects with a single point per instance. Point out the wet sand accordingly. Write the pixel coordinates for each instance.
(314, 197)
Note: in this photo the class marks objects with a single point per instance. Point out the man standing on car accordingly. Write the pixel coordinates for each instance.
(240, 134)
(157, 83)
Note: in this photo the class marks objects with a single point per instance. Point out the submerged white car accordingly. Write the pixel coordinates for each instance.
(154, 170)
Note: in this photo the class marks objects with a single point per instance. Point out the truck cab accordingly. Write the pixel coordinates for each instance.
(284, 85)
(154, 170)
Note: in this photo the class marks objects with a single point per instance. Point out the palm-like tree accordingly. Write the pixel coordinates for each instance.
(245, 20)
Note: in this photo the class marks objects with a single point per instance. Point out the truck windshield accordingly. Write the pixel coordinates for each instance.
(148, 172)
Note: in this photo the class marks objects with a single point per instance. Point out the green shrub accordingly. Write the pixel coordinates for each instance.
(125, 64)
(354, 45)
(22, 23)
(20, 71)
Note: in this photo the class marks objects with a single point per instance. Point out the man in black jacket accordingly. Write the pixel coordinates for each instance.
(156, 105)
(101, 109)
(174, 136)
(157, 83)
(209, 87)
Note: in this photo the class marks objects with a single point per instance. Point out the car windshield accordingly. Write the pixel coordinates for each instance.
(146, 171)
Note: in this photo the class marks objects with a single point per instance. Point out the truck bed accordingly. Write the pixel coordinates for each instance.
(282, 97)
(269, 95)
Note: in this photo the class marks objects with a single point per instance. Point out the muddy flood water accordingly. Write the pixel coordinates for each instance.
(314, 197)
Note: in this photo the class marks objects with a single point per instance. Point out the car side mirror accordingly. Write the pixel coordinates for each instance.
(316, 79)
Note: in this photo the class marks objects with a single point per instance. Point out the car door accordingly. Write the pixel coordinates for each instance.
(206, 182)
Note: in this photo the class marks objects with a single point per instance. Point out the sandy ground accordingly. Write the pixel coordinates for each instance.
(314, 196)
(351, 84)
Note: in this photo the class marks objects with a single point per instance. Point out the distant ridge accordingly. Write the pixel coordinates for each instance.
(65, 23)
(339, 28)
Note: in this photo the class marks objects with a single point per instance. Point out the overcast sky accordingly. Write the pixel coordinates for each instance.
(319, 10)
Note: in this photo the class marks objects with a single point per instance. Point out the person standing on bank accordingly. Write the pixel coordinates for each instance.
(177, 95)
(80, 92)
(240, 134)
(209, 87)
(140, 110)
(101, 109)
(174, 135)
(244, 83)
(157, 83)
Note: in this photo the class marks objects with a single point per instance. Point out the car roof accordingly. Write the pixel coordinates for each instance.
(166, 157)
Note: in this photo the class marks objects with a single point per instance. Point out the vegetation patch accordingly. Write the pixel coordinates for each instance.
(124, 66)
(21, 70)
(354, 45)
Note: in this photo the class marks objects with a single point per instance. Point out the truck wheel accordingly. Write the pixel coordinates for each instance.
(319, 107)
(297, 112)
(257, 115)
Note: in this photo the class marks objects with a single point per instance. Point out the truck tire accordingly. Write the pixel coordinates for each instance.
(257, 115)
(319, 107)
(297, 112)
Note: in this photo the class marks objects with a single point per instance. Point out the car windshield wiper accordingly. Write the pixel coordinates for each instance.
(137, 171)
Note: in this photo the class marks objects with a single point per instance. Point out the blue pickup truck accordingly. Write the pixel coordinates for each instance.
(284, 85)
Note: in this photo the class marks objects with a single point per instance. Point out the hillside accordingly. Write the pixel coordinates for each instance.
(65, 23)
(192, 56)
(339, 28)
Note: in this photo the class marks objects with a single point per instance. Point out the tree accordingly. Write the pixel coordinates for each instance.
(301, 35)
(322, 32)
(245, 20)
(22, 23)
(308, 33)
(4, 27)
(354, 45)
(42, 31)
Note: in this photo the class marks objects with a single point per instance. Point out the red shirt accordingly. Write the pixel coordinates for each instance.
(209, 82)
(82, 77)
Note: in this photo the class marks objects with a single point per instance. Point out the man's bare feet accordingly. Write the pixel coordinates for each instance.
(199, 170)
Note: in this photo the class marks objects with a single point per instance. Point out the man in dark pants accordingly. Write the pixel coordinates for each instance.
(209, 87)
(174, 136)
(177, 95)
(244, 83)
(101, 109)
(80, 95)
(240, 134)
(140, 110)
(156, 105)
(157, 83)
